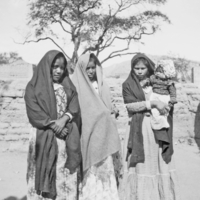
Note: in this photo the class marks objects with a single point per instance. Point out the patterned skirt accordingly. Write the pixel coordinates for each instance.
(153, 179)
(100, 180)
(66, 184)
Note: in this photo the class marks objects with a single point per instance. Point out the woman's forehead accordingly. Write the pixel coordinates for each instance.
(91, 63)
(140, 63)
(60, 60)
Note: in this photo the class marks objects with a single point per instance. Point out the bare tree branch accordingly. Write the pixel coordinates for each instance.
(117, 2)
(97, 30)
(89, 8)
(46, 38)
(107, 44)
(58, 21)
(129, 38)
(110, 19)
(119, 54)
(129, 5)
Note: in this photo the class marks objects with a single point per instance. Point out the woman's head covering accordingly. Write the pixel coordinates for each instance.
(132, 83)
(132, 92)
(99, 137)
(42, 83)
(149, 63)
(41, 110)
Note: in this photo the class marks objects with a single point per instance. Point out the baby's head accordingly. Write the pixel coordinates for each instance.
(165, 69)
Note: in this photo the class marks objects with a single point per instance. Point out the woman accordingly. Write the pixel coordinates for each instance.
(149, 171)
(100, 142)
(54, 149)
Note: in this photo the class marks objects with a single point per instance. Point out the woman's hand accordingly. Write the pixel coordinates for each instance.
(52, 126)
(64, 133)
(160, 106)
(60, 124)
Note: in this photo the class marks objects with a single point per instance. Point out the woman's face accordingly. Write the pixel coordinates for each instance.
(140, 70)
(58, 69)
(91, 70)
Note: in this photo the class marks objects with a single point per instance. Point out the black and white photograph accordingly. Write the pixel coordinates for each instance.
(99, 100)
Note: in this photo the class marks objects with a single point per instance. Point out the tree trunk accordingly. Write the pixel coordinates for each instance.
(75, 55)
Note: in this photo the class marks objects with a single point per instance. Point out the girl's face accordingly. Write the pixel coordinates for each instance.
(140, 70)
(91, 70)
(58, 68)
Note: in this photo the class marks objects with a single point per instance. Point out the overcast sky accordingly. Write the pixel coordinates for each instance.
(181, 38)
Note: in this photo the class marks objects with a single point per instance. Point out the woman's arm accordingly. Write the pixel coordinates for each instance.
(72, 111)
(59, 124)
(146, 105)
(138, 106)
(160, 106)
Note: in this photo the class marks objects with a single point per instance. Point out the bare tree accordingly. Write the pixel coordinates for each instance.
(93, 25)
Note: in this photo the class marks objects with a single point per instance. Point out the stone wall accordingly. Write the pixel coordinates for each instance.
(16, 70)
(186, 111)
(196, 74)
(14, 126)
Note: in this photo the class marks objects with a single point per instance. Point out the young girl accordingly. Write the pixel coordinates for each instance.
(54, 147)
(163, 90)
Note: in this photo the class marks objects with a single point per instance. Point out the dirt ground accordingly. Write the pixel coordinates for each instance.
(13, 172)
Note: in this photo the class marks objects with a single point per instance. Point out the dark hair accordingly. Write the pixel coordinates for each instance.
(60, 55)
(93, 58)
(143, 60)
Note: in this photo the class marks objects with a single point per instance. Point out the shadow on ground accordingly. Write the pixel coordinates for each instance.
(15, 198)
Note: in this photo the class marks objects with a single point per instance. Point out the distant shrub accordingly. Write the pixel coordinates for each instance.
(114, 76)
(9, 57)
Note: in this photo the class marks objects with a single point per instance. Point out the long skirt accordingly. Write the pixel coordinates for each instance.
(66, 184)
(100, 180)
(153, 179)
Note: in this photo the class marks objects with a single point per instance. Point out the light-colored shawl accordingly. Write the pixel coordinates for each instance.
(99, 137)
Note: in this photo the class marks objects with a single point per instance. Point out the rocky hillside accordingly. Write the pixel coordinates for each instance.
(122, 69)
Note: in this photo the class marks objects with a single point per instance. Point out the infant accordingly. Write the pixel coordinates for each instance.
(163, 90)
